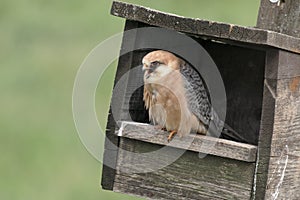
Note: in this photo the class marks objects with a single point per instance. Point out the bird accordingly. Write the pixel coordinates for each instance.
(177, 98)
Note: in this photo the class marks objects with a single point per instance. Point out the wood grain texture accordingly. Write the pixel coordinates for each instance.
(265, 138)
(278, 163)
(189, 177)
(279, 167)
(112, 141)
(282, 64)
(209, 29)
(283, 18)
(284, 166)
(193, 142)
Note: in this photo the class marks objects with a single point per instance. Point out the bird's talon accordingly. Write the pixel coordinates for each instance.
(171, 135)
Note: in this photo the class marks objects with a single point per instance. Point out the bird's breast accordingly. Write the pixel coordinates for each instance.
(164, 108)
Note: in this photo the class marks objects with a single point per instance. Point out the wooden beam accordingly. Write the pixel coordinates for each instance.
(284, 164)
(282, 17)
(197, 143)
(207, 29)
(265, 138)
(278, 150)
(282, 64)
(278, 164)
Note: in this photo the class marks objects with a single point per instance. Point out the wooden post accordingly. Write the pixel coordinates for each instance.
(278, 165)
(282, 17)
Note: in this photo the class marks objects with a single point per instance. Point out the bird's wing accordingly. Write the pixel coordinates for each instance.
(199, 104)
(196, 93)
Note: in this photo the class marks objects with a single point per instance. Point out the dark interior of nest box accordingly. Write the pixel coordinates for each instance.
(242, 70)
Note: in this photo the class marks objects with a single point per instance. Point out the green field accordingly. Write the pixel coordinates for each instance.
(42, 44)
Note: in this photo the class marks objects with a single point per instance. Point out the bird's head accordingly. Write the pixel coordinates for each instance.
(158, 64)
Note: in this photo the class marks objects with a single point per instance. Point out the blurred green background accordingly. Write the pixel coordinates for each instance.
(42, 44)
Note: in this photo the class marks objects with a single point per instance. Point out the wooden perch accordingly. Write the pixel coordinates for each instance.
(145, 168)
(197, 143)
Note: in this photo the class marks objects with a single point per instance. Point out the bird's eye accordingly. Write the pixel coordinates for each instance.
(155, 64)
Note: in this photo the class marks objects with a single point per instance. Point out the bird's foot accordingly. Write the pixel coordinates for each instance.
(171, 135)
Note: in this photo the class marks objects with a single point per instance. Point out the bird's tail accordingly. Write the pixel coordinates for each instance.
(230, 134)
(218, 128)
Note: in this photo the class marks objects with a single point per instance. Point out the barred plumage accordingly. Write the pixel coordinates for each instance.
(196, 93)
(198, 100)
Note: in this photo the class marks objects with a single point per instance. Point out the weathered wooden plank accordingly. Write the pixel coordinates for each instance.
(108, 173)
(192, 142)
(265, 138)
(279, 168)
(278, 165)
(215, 30)
(282, 18)
(284, 166)
(112, 141)
(282, 64)
(189, 177)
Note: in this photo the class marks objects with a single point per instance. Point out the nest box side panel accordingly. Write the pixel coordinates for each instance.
(112, 141)
(282, 135)
(278, 171)
(284, 166)
(278, 165)
(189, 177)
(265, 138)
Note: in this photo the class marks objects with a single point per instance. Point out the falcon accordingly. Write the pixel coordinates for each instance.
(176, 96)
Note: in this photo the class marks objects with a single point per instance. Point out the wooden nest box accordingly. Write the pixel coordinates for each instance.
(261, 72)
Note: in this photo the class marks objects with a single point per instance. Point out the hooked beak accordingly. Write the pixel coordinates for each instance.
(147, 71)
(145, 68)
